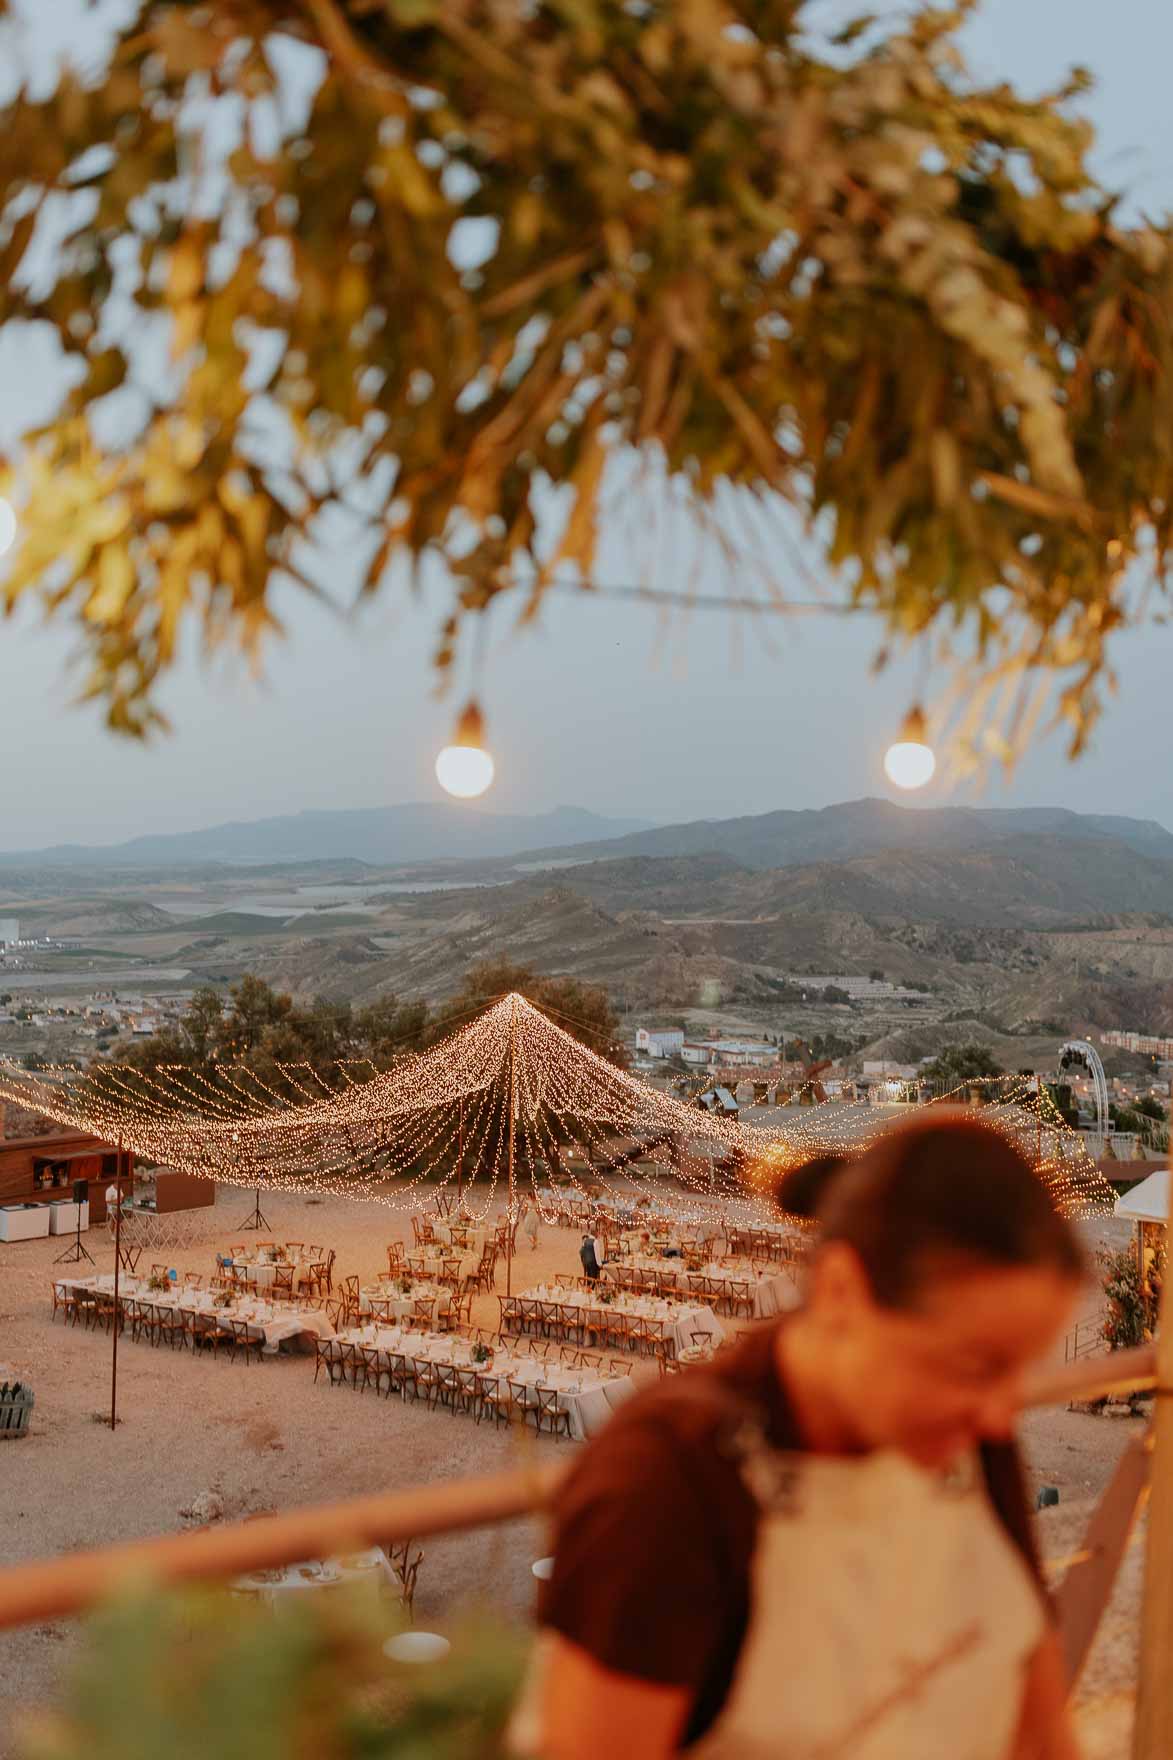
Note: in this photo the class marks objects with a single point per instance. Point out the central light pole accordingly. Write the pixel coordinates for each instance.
(512, 1143)
(117, 1269)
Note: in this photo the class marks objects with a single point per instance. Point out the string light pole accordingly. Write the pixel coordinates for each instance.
(114, 1320)
(512, 1144)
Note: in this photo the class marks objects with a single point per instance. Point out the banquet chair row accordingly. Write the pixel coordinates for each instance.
(182, 1329)
(615, 1328)
(725, 1295)
(467, 1388)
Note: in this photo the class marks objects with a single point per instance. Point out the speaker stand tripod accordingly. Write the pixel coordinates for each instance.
(256, 1217)
(78, 1251)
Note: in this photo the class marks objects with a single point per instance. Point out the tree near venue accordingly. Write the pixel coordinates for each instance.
(459, 276)
(259, 1029)
(580, 1009)
(963, 1063)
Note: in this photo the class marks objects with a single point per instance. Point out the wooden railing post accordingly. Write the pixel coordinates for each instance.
(1152, 1737)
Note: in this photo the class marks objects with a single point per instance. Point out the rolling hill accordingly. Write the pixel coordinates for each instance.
(871, 827)
(380, 836)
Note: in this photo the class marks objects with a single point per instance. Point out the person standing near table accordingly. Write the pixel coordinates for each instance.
(113, 1200)
(820, 1545)
(588, 1254)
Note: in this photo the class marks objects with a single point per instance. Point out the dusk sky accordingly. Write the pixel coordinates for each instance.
(594, 707)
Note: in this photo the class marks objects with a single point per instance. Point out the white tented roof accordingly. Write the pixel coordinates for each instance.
(1147, 1202)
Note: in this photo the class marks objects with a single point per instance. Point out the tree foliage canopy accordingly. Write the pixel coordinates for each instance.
(963, 1063)
(501, 242)
(583, 1010)
(260, 1029)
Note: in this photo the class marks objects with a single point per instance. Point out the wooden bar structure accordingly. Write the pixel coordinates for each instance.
(40, 1169)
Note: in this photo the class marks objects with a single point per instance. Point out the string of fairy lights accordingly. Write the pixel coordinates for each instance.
(511, 1079)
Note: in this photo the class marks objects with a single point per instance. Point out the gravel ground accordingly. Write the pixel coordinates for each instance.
(266, 1438)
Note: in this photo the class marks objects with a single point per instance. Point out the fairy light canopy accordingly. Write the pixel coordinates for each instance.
(396, 1137)
(510, 1088)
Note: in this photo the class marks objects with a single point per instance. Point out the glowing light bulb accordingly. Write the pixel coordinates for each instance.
(910, 761)
(464, 768)
(7, 526)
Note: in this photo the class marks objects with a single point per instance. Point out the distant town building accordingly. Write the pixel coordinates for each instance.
(1147, 1043)
(659, 1041)
(858, 989)
(746, 1053)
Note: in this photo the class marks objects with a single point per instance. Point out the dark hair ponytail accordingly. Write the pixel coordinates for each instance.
(944, 1191)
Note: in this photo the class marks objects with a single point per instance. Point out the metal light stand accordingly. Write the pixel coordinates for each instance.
(78, 1251)
(256, 1218)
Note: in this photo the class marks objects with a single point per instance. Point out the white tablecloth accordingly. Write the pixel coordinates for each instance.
(372, 1567)
(403, 1307)
(430, 1264)
(587, 1397)
(276, 1322)
(476, 1237)
(683, 1318)
(771, 1294)
(264, 1274)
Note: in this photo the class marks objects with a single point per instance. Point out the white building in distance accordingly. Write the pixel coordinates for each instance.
(709, 1053)
(659, 1041)
(9, 931)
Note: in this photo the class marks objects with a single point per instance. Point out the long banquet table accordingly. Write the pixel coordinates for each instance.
(578, 1308)
(769, 1292)
(587, 1397)
(277, 1323)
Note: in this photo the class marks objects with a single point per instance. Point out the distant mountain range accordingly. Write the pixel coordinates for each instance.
(1022, 864)
(379, 836)
(788, 839)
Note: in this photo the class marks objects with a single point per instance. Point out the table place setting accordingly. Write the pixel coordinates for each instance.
(680, 1318)
(587, 1397)
(390, 1300)
(276, 1323)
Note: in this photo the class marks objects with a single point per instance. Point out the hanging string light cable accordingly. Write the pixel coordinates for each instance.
(398, 1137)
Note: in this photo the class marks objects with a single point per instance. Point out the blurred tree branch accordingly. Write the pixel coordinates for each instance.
(849, 278)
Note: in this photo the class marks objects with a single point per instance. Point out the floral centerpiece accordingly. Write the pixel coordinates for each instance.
(157, 1281)
(222, 1300)
(481, 1352)
(606, 1298)
(406, 1286)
